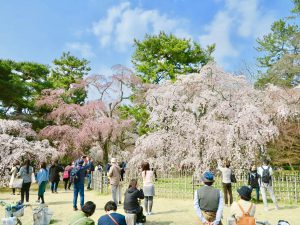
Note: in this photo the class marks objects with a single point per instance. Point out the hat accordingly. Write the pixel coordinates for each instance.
(80, 162)
(113, 160)
(245, 192)
(207, 177)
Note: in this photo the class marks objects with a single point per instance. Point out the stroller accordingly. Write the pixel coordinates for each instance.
(12, 213)
(42, 215)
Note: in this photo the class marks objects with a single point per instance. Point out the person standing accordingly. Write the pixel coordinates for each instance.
(122, 173)
(77, 177)
(26, 174)
(42, 179)
(148, 187)
(54, 176)
(226, 182)
(66, 176)
(90, 172)
(14, 170)
(253, 180)
(265, 173)
(114, 175)
(243, 206)
(208, 201)
(111, 217)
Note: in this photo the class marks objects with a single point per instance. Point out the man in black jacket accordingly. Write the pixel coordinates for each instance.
(132, 197)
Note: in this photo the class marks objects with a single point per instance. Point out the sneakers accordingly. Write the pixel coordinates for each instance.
(75, 208)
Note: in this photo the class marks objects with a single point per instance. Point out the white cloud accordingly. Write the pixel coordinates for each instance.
(123, 23)
(83, 49)
(238, 19)
(218, 32)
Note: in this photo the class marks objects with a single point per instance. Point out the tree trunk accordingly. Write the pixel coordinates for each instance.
(291, 166)
(105, 152)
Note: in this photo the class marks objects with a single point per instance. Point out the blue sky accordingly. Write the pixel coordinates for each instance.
(103, 30)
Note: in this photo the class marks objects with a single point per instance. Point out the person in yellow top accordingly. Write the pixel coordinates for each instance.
(244, 203)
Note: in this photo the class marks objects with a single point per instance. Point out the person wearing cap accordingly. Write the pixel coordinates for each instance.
(208, 201)
(244, 204)
(78, 184)
(114, 175)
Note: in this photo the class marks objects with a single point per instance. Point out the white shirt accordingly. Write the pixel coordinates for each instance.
(226, 174)
(260, 173)
(260, 170)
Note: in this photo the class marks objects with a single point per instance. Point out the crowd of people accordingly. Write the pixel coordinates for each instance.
(208, 201)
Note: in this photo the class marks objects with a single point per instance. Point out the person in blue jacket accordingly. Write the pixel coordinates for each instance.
(77, 177)
(111, 217)
(42, 179)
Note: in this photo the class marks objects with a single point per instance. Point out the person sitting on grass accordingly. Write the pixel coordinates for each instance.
(111, 217)
(243, 206)
(82, 217)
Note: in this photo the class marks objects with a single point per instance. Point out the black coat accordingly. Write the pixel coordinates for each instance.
(54, 173)
(131, 201)
(253, 179)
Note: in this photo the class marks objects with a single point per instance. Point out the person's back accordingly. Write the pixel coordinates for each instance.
(132, 196)
(54, 173)
(109, 219)
(26, 175)
(265, 173)
(79, 218)
(243, 210)
(82, 217)
(236, 211)
(147, 177)
(226, 174)
(209, 198)
(114, 174)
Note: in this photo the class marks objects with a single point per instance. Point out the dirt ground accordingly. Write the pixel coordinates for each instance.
(165, 211)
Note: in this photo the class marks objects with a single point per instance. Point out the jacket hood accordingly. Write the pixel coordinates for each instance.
(131, 190)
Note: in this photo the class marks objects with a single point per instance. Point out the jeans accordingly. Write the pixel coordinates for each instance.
(78, 188)
(114, 193)
(227, 191)
(25, 190)
(89, 177)
(257, 192)
(266, 187)
(54, 186)
(66, 182)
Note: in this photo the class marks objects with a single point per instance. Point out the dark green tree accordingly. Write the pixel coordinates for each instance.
(280, 60)
(20, 84)
(163, 57)
(68, 70)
